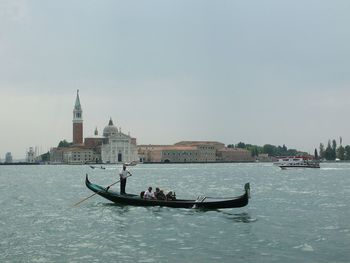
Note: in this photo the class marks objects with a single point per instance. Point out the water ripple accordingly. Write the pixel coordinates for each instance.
(292, 216)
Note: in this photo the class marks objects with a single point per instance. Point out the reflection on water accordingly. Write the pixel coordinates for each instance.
(122, 209)
(159, 211)
(238, 217)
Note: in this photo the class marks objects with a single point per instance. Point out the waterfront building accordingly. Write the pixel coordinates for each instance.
(214, 144)
(112, 147)
(72, 155)
(118, 147)
(95, 142)
(206, 149)
(192, 151)
(181, 152)
(8, 157)
(234, 155)
(264, 157)
(145, 152)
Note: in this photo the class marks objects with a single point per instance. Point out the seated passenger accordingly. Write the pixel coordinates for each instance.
(142, 194)
(170, 196)
(159, 194)
(149, 194)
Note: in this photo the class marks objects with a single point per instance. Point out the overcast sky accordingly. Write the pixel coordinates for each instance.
(260, 72)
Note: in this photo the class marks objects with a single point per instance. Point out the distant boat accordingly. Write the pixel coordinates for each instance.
(133, 163)
(297, 162)
(99, 167)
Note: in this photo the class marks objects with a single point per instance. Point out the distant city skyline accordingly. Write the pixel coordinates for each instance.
(259, 72)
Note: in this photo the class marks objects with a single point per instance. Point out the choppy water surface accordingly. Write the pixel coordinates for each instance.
(294, 215)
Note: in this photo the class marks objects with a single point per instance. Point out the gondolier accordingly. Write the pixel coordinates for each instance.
(124, 173)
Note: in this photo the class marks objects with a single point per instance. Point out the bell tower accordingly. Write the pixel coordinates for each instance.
(77, 122)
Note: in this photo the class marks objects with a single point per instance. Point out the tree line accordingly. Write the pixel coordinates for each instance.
(330, 152)
(333, 151)
(269, 149)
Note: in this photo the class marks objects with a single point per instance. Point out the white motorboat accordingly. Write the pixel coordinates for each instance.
(297, 162)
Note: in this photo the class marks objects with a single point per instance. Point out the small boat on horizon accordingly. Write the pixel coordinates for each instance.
(297, 162)
(133, 163)
(99, 167)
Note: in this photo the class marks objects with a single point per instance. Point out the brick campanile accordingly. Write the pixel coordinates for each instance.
(77, 122)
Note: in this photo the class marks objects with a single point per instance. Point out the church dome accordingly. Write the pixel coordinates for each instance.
(110, 129)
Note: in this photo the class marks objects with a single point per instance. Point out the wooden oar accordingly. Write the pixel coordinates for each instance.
(97, 192)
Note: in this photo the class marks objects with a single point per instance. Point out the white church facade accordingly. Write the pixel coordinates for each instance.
(119, 147)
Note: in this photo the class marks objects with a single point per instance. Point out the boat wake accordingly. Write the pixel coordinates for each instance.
(335, 168)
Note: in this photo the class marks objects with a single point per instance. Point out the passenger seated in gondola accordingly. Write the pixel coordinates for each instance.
(159, 194)
(142, 194)
(170, 196)
(149, 194)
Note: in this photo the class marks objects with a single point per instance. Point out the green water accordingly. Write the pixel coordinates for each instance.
(294, 215)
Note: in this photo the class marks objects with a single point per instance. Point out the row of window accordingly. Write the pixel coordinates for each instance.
(207, 148)
(187, 153)
(183, 153)
(189, 160)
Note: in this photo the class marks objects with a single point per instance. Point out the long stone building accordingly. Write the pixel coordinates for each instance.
(192, 152)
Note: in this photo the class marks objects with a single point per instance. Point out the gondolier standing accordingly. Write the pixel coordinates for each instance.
(123, 175)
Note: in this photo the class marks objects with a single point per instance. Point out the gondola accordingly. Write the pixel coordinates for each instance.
(200, 202)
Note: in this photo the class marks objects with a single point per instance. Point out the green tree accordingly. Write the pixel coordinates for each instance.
(322, 151)
(45, 157)
(334, 148)
(254, 151)
(284, 148)
(329, 152)
(293, 152)
(241, 145)
(316, 154)
(347, 152)
(341, 153)
(64, 143)
(270, 149)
